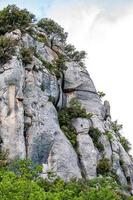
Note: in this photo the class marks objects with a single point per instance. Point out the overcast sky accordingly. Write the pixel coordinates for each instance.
(104, 28)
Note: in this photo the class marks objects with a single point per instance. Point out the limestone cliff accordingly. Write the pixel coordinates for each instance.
(32, 95)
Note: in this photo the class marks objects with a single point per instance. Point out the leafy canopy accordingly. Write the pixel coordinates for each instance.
(20, 180)
(52, 28)
(12, 18)
(7, 49)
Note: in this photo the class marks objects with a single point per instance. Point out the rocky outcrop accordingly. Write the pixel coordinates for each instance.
(30, 97)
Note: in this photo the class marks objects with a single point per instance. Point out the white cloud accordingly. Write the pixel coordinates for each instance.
(108, 39)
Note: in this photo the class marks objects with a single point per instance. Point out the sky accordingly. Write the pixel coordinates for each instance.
(104, 28)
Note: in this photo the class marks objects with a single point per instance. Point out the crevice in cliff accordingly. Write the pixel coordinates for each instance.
(26, 142)
(76, 89)
(81, 167)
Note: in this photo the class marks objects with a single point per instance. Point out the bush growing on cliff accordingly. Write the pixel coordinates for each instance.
(26, 55)
(103, 166)
(25, 169)
(7, 49)
(65, 116)
(52, 29)
(12, 18)
(77, 56)
(101, 94)
(125, 143)
(116, 127)
(95, 134)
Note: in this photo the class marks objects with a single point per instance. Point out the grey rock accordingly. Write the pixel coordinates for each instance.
(78, 84)
(88, 155)
(118, 170)
(86, 149)
(62, 158)
(81, 125)
(107, 108)
(11, 110)
(107, 147)
(14, 35)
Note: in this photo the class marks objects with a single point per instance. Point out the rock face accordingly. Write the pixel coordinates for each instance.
(30, 98)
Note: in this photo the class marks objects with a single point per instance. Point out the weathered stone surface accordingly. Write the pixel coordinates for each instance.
(107, 147)
(81, 125)
(63, 159)
(87, 154)
(86, 149)
(11, 109)
(78, 82)
(14, 35)
(118, 170)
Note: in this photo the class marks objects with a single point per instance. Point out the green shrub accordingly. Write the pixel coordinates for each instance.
(71, 134)
(12, 18)
(73, 54)
(21, 181)
(109, 135)
(99, 188)
(12, 187)
(103, 166)
(25, 169)
(3, 158)
(59, 65)
(65, 116)
(116, 127)
(26, 55)
(41, 38)
(101, 94)
(52, 28)
(95, 134)
(7, 49)
(125, 143)
(74, 110)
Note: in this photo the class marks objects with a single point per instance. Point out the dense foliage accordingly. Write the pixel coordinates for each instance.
(117, 128)
(125, 143)
(12, 18)
(73, 54)
(52, 29)
(95, 135)
(103, 166)
(20, 180)
(7, 49)
(26, 55)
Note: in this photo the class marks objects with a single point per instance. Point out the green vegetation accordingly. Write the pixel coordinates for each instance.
(20, 180)
(65, 116)
(95, 134)
(52, 29)
(116, 127)
(109, 135)
(59, 65)
(101, 94)
(56, 67)
(12, 18)
(103, 166)
(125, 143)
(41, 38)
(7, 49)
(73, 54)
(26, 55)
